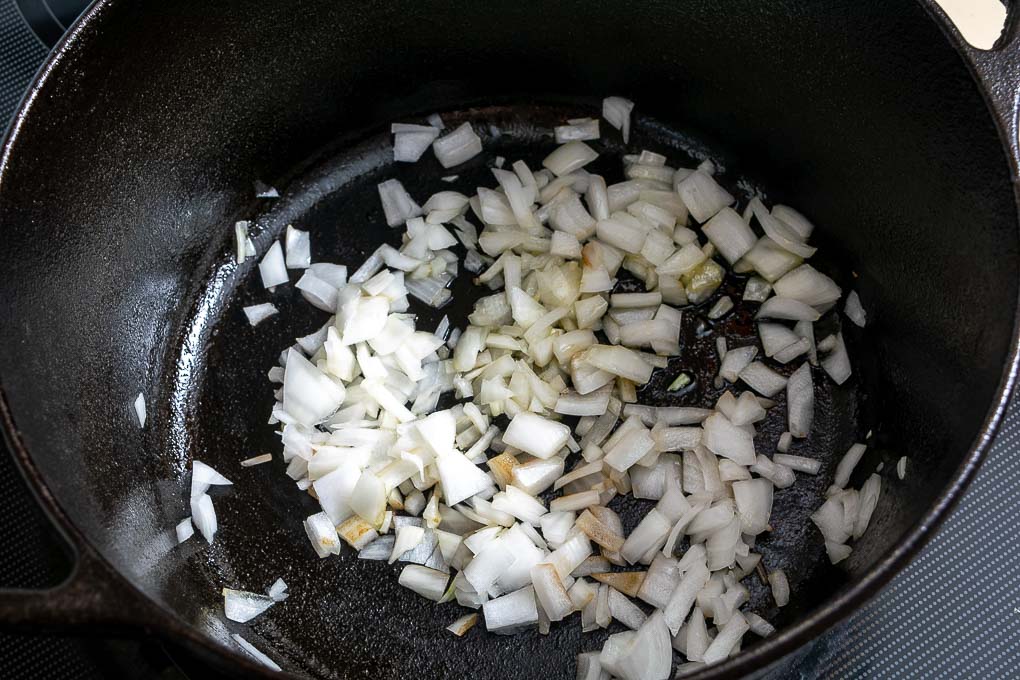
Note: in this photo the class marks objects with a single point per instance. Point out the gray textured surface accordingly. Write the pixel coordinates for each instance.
(954, 612)
(20, 56)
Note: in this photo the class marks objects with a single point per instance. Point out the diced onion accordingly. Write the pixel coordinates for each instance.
(242, 606)
(458, 146)
(616, 111)
(272, 268)
(429, 583)
(184, 530)
(258, 313)
(139, 406)
(299, 248)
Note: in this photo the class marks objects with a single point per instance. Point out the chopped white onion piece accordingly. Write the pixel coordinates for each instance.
(869, 495)
(726, 639)
(800, 401)
(322, 534)
(684, 596)
(241, 240)
(139, 406)
(725, 439)
(730, 235)
(735, 361)
(536, 435)
(257, 460)
(780, 587)
(703, 196)
(397, 204)
(550, 593)
(798, 463)
(299, 248)
(427, 582)
(278, 591)
(511, 613)
(616, 111)
(203, 476)
(753, 498)
(309, 395)
(569, 157)
(458, 146)
(410, 142)
(644, 654)
(787, 308)
(837, 363)
(242, 606)
(184, 530)
(761, 378)
(258, 313)
(847, 464)
(582, 130)
(807, 284)
(779, 232)
(272, 268)
(460, 478)
(623, 610)
(854, 310)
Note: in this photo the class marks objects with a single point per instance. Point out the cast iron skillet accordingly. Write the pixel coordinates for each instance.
(136, 149)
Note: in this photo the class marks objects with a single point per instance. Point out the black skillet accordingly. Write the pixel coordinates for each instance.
(136, 150)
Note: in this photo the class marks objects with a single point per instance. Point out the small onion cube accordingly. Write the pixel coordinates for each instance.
(536, 435)
(726, 639)
(703, 196)
(847, 464)
(139, 406)
(807, 284)
(569, 157)
(684, 596)
(242, 606)
(854, 310)
(787, 308)
(730, 235)
(623, 610)
(753, 499)
(458, 146)
(780, 587)
(427, 582)
(460, 478)
(761, 378)
(511, 613)
(184, 530)
(258, 313)
(322, 534)
(272, 268)
(299, 248)
(582, 130)
(837, 363)
(644, 654)
(616, 111)
(723, 438)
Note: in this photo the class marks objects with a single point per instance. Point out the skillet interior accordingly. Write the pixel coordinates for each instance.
(119, 192)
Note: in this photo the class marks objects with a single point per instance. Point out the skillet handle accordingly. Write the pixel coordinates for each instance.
(94, 598)
(90, 596)
(998, 69)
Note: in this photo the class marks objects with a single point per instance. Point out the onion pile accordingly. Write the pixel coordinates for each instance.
(496, 502)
